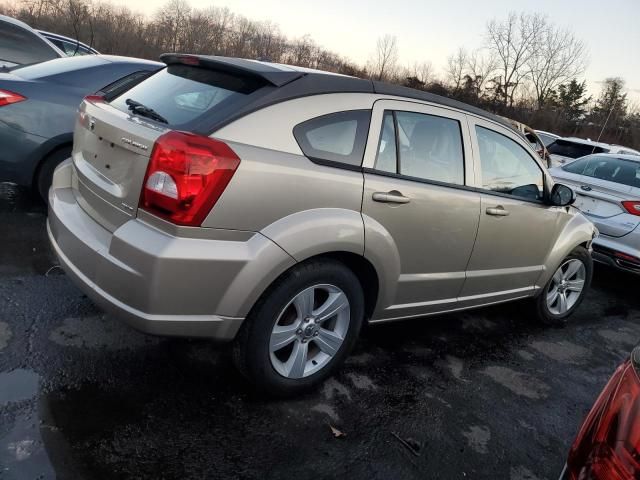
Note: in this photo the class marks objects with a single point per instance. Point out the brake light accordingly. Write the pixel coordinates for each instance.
(633, 207)
(608, 445)
(185, 177)
(7, 98)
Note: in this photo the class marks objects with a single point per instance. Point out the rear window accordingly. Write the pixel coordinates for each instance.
(570, 149)
(183, 94)
(611, 169)
(19, 45)
(338, 137)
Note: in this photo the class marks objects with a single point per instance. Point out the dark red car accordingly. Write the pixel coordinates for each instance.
(608, 444)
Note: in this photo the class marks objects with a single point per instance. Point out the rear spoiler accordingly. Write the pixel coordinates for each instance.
(275, 75)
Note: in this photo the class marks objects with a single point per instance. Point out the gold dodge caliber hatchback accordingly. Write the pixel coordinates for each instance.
(279, 208)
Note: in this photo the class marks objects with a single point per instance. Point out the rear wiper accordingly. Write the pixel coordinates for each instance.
(140, 109)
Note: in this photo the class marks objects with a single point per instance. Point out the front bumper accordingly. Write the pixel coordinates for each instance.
(158, 283)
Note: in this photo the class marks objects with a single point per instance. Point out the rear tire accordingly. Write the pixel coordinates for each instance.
(559, 297)
(44, 175)
(279, 322)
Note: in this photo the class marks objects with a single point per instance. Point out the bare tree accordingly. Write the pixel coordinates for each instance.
(384, 63)
(514, 42)
(558, 58)
(423, 72)
(455, 70)
(481, 65)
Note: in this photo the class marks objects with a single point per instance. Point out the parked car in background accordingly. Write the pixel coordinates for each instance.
(607, 446)
(532, 137)
(231, 199)
(38, 106)
(547, 137)
(69, 46)
(22, 45)
(608, 193)
(566, 150)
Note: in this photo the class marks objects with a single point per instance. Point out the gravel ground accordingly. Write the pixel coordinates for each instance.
(483, 394)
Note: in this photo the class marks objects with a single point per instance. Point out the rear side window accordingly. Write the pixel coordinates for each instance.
(570, 149)
(617, 170)
(18, 45)
(183, 94)
(337, 137)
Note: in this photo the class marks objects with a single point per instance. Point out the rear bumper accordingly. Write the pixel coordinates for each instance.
(158, 283)
(605, 249)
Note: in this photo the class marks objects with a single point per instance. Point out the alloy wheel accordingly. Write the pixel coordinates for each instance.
(566, 286)
(309, 331)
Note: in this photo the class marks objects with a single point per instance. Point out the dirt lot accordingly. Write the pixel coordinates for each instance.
(484, 394)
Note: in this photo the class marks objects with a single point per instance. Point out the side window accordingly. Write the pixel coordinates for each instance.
(337, 137)
(507, 168)
(387, 158)
(427, 147)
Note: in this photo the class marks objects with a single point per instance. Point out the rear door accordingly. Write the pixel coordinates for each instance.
(417, 167)
(516, 228)
(602, 183)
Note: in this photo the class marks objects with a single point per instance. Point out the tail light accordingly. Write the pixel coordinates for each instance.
(633, 207)
(185, 177)
(7, 98)
(608, 444)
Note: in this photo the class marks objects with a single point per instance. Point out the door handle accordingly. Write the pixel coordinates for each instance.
(498, 211)
(390, 197)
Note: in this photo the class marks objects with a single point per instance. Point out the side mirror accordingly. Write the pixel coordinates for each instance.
(561, 195)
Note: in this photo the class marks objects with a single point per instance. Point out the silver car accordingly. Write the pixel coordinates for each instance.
(280, 208)
(608, 193)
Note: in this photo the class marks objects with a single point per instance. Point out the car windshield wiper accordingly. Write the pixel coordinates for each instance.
(140, 109)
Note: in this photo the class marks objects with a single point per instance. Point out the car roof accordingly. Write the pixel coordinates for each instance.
(623, 156)
(585, 142)
(543, 132)
(15, 21)
(308, 81)
(67, 39)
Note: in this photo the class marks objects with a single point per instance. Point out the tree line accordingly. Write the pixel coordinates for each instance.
(524, 67)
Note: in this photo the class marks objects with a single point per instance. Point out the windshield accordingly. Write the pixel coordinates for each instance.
(21, 46)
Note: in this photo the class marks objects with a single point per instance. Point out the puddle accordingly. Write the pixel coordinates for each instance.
(18, 385)
(23, 453)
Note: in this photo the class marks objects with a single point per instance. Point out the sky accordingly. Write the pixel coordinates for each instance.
(431, 30)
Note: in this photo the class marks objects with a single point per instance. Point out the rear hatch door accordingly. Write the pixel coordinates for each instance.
(111, 152)
(114, 139)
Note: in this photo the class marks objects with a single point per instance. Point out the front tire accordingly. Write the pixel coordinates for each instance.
(301, 329)
(566, 289)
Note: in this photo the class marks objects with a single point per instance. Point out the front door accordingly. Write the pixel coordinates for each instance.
(415, 198)
(517, 228)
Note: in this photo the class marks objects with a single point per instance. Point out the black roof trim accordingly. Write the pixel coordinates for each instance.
(399, 91)
(298, 83)
(238, 66)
